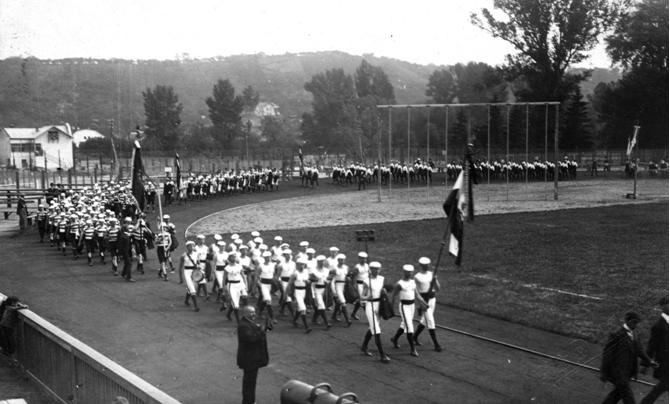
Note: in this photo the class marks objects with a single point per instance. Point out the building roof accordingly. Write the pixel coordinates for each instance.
(33, 133)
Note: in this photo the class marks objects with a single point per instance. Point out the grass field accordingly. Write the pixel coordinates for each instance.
(513, 264)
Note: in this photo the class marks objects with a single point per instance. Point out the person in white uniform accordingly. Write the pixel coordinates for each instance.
(319, 279)
(286, 268)
(360, 275)
(187, 264)
(202, 250)
(235, 286)
(339, 274)
(220, 262)
(405, 291)
(298, 283)
(427, 285)
(372, 291)
(266, 278)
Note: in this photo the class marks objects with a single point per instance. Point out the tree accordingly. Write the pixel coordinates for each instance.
(372, 81)
(640, 44)
(333, 121)
(549, 36)
(162, 110)
(577, 126)
(225, 109)
(250, 97)
(474, 82)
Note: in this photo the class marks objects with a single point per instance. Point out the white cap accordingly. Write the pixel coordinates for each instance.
(278, 238)
(251, 244)
(234, 236)
(408, 267)
(334, 249)
(221, 243)
(362, 254)
(304, 244)
(218, 237)
(243, 247)
(258, 240)
(320, 257)
(190, 242)
(166, 217)
(287, 251)
(238, 241)
(302, 260)
(263, 247)
(200, 236)
(375, 264)
(310, 251)
(424, 261)
(255, 234)
(341, 256)
(266, 254)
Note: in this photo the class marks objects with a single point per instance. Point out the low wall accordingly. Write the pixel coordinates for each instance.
(71, 371)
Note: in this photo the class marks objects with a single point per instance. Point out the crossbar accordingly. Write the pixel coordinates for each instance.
(474, 104)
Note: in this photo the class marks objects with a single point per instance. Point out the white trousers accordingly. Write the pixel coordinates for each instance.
(406, 316)
(372, 313)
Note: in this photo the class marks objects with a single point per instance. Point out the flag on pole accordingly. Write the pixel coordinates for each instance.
(632, 142)
(137, 182)
(454, 208)
(178, 173)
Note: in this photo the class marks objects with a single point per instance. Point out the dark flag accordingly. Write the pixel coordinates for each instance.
(177, 164)
(453, 207)
(137, 184)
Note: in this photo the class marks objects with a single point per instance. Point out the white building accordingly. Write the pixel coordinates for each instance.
(35, 147)
(81, 136)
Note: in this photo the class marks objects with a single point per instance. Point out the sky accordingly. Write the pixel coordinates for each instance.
(420, 31)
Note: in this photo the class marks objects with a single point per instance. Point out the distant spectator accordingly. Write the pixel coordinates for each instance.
(22, 211)
(594, 168)
(252, 351)
(653, 168)
(606, 165)
(9, 319)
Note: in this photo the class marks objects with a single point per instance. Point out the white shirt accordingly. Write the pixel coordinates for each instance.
(407, 289)
(234, 272)
(423, 280)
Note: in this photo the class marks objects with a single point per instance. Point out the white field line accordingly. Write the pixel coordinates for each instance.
(536, 286)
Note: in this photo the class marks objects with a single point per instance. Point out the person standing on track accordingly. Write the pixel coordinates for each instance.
(252, 351)
(619, 360)
(372, 291)
(125, 249)
(220, 262)
(427, 285)
(187, 264)
(113, 238)
(101, 238)
(89, 240)
(657, 349)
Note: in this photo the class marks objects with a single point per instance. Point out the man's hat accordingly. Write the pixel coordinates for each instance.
(375, 264)
(266, 254)
(278, 238)
(200, 236)
(334, 249)
(234, 236)
(166, 217)
(408, 268)
(320, 257)
(362, 254)
(217, 237)
(304, 244)
(255, 234)
(287, 251)
(221, 243)
(310, 251)
(341, 257)
(424, 261)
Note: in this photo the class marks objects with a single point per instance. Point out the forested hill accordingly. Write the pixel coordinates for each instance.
(87, 92)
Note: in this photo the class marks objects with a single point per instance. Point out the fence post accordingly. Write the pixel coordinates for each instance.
(18, 186)
(44, 179)
(69, 178)
(95, 173)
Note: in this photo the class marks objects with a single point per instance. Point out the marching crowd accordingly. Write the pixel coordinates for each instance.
(284, 281)
(204, 186)
(103, 222)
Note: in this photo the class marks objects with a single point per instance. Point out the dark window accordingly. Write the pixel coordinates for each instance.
(53, 136)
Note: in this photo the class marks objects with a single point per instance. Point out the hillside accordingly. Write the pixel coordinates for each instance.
(87, 92)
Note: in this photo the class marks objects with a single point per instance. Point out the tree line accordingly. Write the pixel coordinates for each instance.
(548, 37)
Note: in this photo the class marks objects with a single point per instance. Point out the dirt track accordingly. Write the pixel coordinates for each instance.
(145, 327)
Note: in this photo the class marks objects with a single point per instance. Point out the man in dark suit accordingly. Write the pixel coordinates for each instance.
(657, 349)
(619, 362)
(252, 351)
